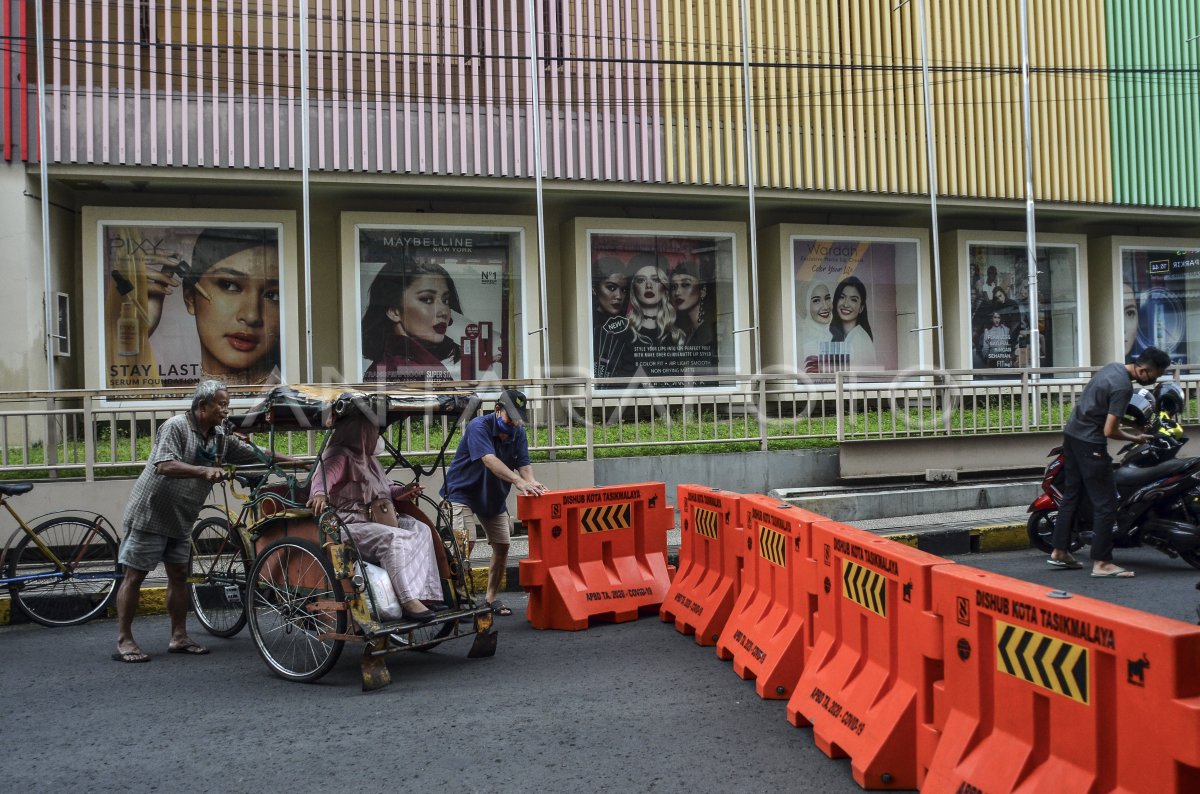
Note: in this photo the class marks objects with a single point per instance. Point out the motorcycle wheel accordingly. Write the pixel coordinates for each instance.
(1040, 528)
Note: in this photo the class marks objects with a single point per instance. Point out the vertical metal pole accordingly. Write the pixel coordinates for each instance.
(43, 173)
(1030, 234)
(536, 117)
(933, 189)
(751, 178)
(305, 220)
(51, 440)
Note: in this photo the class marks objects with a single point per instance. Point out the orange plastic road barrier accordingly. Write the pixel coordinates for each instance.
(765, 632)
(702, 593)
(595, 552)
(867, 687)
(1045, 691)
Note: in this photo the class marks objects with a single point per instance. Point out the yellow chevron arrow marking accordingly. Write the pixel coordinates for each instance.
(772, 545)
(706, 522)
(1048, 662)
(605, 517)
(865, 587)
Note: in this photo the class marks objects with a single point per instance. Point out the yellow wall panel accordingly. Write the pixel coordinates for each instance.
(837, 100)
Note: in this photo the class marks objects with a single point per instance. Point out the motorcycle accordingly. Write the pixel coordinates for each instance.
(1158, 500)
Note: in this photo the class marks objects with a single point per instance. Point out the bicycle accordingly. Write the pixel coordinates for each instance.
(220, 560)
(64, 571)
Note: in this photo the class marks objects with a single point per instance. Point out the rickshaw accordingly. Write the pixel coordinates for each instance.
(298, 579)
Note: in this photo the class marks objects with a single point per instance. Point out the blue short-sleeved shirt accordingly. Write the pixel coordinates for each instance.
(468, 481)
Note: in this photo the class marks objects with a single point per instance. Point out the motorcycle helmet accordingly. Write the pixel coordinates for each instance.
(1170, 398)
(1140, 410)
(1167, 426)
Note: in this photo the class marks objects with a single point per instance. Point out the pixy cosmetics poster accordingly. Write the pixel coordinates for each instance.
(183, 303)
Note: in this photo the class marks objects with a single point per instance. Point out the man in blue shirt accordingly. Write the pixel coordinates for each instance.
(492, 456)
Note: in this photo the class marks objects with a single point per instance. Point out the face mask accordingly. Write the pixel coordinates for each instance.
(502, 426)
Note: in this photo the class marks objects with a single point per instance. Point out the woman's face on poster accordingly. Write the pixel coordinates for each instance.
(1129, 310)
(686, 292)
(648, 287)
(424, 310)
(995, 319)
(850, 305)
(238, 321)
(820, 304)
(611, 294)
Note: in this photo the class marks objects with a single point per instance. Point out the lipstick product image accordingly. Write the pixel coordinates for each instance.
(468, 358)
(485, 345)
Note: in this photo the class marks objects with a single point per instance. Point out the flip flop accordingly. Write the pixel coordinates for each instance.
(498, 608)
(1118, 573)
(191, 649)
(1073, 565)
(130, 657)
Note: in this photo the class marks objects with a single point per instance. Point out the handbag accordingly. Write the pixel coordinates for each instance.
(381, 511)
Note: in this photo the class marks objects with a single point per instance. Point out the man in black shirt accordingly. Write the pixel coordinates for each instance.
(1095, 419)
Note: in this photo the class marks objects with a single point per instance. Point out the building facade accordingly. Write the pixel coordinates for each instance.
(648, 191)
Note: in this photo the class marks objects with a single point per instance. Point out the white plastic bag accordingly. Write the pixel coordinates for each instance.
(387, 607)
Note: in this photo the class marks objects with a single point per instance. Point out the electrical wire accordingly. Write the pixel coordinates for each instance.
(223, 77)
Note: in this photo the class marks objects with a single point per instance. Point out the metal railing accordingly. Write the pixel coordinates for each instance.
(84, 433)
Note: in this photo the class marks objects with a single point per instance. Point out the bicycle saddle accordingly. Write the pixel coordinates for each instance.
(15, 488)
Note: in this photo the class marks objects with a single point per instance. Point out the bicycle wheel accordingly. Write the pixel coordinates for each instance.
(54, 597)
(291, 589)
(217, 584)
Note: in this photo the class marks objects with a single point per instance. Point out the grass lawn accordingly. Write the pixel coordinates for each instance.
(675, 431)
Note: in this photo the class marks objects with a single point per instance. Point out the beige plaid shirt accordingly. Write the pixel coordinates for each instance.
(169, 505)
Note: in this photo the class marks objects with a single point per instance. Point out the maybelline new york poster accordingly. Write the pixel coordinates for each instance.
(437, 305)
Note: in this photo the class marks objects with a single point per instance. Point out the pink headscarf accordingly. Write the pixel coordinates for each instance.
(349, 473)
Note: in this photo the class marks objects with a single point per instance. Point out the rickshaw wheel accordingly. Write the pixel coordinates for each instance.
(217, 585)
(290, 580)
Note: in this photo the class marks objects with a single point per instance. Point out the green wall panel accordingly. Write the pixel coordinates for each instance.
(1154, 101)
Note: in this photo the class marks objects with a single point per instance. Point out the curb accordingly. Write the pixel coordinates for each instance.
(967, 540)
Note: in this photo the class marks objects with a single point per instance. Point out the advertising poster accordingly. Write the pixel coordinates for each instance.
(437, 305)
(1155, 306)
(846, 294)
(662, 308)
(189, 302)
(998, 289)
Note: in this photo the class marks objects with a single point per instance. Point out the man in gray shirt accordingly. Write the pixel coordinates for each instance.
(1087, 466)
(163, 505)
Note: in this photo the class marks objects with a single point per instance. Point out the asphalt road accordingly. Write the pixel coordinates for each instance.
(629, 707)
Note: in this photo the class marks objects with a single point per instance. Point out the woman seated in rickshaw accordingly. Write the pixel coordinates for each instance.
(351, 480)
